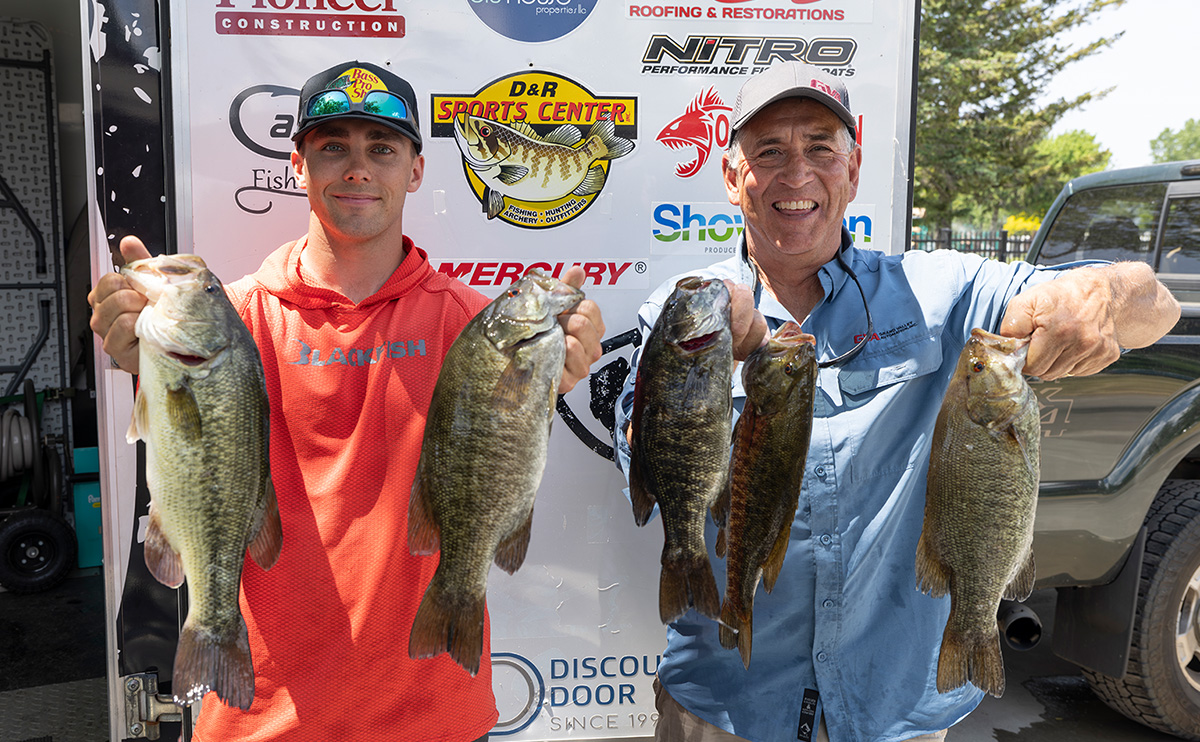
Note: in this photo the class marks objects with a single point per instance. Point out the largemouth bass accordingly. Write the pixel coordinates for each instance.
(977, 540)
(515, 161)
(681, 428)
(770, 447)
(482, 459)
(202, 411)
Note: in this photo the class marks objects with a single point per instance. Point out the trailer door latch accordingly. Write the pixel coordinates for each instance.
(145, 709)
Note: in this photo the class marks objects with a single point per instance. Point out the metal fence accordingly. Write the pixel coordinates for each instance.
(999, 245)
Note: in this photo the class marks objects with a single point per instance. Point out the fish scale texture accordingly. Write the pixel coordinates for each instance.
(350, 387)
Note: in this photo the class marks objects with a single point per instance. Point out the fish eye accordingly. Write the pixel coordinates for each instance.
(789, 368)
(485, 130)
(211, 288)
(977, 366)
(513, 292)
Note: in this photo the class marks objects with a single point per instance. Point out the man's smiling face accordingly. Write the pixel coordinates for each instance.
(793, 174)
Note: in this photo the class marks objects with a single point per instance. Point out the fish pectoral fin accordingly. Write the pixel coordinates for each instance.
(774, 561)
(184, 412)
(161, 558)
(424, 535)
(511, 174)
(510, 554)
(139, 422)
(932, 576)
(493, 203)
(1022, 444)
(267, 543)
(607, 132)
(1021, 586)
(513, 385)
(643, 502)
(592, 182)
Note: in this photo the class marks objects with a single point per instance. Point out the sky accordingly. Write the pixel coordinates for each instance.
(1152, 68)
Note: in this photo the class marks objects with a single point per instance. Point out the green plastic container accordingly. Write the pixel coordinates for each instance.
(87, 509)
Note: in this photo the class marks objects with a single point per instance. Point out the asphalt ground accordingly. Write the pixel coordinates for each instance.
(52, 686)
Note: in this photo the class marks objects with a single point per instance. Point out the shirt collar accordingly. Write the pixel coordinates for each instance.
(832, 276)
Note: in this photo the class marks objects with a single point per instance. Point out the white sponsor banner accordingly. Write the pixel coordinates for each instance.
(576, 634)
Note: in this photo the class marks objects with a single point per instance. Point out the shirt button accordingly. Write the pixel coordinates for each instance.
(828, 603)
(820, 471)
(826, 539)
(821, 656)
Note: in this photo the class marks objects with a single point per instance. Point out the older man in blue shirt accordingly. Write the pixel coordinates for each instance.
(845, 647)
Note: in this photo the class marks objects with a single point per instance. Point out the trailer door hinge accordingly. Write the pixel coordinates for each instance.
(145, 708)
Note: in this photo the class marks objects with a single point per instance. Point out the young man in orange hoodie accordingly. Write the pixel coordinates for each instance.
(353, 324)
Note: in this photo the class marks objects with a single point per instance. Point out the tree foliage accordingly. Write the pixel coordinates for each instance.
(984, 68)
(1173, 145)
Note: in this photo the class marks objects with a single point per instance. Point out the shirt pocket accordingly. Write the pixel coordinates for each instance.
(890, 400)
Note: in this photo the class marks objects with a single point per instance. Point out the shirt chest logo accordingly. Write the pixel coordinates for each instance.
(310, 356)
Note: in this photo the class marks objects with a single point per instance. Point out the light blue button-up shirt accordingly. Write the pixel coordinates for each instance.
(845, 618)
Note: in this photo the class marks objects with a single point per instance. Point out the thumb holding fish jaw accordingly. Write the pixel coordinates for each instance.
(584, 329)
(115, 308)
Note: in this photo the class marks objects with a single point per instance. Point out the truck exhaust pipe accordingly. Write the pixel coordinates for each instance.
(1019, 625)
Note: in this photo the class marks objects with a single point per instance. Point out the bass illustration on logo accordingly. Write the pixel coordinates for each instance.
(525, 154)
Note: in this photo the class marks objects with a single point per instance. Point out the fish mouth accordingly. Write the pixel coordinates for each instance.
(188, 360)
(691, 345)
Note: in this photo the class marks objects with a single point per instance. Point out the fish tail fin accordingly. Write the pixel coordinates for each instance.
(970, 659)
(207, 661)
(446, 625)
(932, 576)
(267, 543)
(687, 582)
(614, 145)
(1021, 585)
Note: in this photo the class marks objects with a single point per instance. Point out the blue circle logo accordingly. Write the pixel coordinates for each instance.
(519, 690)
(533, 20)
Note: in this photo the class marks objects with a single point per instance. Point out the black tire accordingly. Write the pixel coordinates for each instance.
(1161, 686)
(37, 550)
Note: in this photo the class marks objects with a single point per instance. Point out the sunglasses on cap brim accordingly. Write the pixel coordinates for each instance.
(375, 103)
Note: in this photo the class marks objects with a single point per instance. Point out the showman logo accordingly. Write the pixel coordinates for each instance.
(704, 124)
(524, 155)
(745, 55)
(325, 18)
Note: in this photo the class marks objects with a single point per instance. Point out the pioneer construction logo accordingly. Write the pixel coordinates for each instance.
(325, 18)
(537, 147)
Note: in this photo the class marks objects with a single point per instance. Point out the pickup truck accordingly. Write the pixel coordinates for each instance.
(1118, 518)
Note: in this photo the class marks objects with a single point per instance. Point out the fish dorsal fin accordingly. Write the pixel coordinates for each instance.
(592, 182)
(774, 561)
(267, 543)
(184, 412)
(525, 130)
(510, 554)
(424, 535)
(161, 558)
(566, 134)
(614, 145)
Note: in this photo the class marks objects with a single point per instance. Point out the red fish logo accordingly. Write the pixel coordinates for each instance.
(704, 125)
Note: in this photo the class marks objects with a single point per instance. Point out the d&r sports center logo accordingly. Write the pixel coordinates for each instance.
(537, 147)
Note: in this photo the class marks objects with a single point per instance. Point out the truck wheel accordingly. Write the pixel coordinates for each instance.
(1161, 687)
(37, 550)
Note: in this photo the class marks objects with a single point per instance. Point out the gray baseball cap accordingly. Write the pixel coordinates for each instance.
(792, 80)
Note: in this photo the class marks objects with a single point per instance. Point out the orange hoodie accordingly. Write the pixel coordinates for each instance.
(349, 387)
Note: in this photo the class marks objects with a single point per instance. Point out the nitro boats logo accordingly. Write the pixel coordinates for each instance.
(853, 11)
(745, 55)
(536, 147)
(325, 18)
(703, 126)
